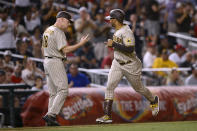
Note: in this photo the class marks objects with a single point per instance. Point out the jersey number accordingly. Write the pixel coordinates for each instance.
(45, 41)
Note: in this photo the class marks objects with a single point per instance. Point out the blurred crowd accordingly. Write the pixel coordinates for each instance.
(22, 25)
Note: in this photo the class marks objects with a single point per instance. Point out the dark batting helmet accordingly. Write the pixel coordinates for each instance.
(117, 14)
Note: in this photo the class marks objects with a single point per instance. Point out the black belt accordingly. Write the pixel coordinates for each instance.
(122, 62)
(50, 57)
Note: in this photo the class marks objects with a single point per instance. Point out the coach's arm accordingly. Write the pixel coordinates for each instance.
(68, 49)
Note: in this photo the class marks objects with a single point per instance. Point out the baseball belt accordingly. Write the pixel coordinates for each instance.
(122, 62)
(51, 57)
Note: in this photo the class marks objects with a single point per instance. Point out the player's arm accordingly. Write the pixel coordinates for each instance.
(124, 48)
(127, 43)
(67, 49)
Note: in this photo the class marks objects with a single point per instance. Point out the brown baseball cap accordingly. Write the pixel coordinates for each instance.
(64, 14)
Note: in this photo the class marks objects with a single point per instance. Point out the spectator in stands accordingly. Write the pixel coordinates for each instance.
(192, 79)
(101, 34)
(1, 63)
(164, 44)
(194, 58)
(36, 37)
(179, 55)
(93, 9)
(131, 7)
(7, 31)
(48, 12)
(22, 6)
(107, 61)
(30, 72)
(170, 16)
(84, 25)
(183, 21)
(136, 27)
(87, 56)
(149, 56)
(174, 79)
(195, 24)
(2, 77)
(32, 19)
(8, 76)
(7, 60)
(153, 26)
(38, 84)
(16, 75)
(20, 26)
(1, 101)
(163, 62)
(188, 60)
(36, 43)
(78, 79)
(22, 46)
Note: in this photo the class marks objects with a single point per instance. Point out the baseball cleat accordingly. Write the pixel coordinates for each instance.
(50, 121)
(104, 120)
(155, 106)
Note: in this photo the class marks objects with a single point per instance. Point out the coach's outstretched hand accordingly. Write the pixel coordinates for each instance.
(84, 39)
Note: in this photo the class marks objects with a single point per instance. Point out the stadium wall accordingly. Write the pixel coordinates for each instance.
(84, 105)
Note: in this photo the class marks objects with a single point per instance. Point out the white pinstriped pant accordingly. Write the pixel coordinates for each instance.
(57, 83)
(116, 74)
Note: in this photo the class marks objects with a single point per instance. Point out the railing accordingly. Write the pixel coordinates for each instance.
(11, 90)
(99, 76)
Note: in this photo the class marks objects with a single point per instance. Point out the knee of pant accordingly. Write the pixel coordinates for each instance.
(63, 92)
(62, 85)
(139, 89)
(52, 94)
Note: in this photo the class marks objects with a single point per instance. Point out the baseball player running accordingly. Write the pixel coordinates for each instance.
(54, 48)
(125, 63)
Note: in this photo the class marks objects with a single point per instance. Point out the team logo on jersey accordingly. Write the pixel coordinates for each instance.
(128, 41)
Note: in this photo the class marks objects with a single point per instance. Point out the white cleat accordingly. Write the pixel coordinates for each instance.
(104, 120)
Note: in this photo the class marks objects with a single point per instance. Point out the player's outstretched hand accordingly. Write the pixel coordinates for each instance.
(84, 39)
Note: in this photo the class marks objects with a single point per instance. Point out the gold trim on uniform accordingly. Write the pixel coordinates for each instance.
(117, 39)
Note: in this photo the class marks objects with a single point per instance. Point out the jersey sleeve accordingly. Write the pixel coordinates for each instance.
(60, 38)
(128, 38)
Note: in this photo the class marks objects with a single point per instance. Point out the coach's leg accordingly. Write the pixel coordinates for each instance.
(61, 83)
(52, 91)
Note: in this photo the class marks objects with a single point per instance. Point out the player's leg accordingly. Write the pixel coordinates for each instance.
(136, 82)
(114, 77)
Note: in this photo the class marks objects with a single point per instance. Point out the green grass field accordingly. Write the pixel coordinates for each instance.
(156, 126)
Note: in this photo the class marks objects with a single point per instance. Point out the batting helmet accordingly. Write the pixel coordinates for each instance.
(117, 14)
